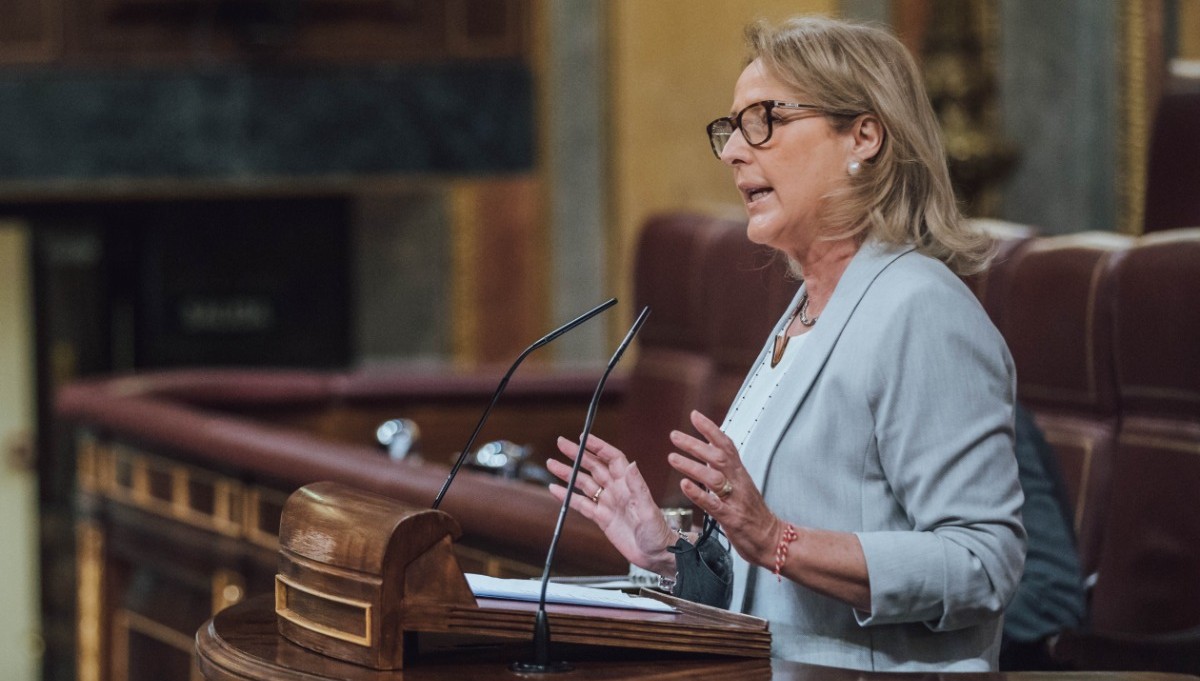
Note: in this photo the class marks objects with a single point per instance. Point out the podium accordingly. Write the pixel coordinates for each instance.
(243, 642)
(363, 580)
(362, 577)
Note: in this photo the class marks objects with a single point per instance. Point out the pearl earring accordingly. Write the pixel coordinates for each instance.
(854, 167)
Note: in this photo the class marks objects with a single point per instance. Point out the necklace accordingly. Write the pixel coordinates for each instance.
(781, 338)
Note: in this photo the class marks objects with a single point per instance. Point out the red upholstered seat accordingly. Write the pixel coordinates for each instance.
(715, 296)
(747, 287)
(1055, 311)
(673, 368)
(1105, 333)
(990, 285)
(1149, 579)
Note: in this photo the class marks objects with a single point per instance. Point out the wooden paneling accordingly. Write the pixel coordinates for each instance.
(180, 30)
(157, 32)
(31, 31)
(500, 257)
(170, 530)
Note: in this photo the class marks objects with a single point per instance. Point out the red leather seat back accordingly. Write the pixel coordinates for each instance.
(715, 296)
(748, 289)
(990, 285)
(1149, 578)
(673, 368)
(1056, 316)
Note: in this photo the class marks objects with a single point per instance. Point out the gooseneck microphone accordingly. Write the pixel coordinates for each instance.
(541, 632)
(504, 382)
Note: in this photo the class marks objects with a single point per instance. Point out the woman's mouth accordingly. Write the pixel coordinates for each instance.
(754, 195)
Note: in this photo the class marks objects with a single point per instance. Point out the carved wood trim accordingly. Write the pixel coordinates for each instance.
(284, 587)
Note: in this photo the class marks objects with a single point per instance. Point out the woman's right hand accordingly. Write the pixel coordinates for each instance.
(611, 492)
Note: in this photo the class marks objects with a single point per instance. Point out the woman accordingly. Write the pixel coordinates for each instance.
(864, 475)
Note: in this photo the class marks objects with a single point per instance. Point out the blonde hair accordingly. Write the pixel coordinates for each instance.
(903, 194)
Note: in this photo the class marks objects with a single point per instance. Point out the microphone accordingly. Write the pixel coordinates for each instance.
(504, 382)
(541, 630)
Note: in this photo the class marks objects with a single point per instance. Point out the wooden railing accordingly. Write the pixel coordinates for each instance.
(182, 478)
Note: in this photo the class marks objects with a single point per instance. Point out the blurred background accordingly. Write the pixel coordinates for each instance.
(340, 184)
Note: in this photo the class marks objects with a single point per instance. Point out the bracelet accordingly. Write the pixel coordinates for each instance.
(781, 551)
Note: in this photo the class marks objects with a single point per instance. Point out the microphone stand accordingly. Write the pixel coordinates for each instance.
(541, 663)
(504, 382)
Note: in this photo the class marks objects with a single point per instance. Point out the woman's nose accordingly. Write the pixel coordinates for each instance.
(736, 148)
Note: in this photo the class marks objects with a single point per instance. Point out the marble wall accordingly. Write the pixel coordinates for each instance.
(1058, 91)
(573, 154)
(1058, 82)
(238, 122)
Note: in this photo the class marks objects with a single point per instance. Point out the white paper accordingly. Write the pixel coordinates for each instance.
(568, 594)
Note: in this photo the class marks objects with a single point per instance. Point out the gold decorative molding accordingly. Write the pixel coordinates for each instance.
(258, 498)
(1133, 132)
(128, 480)
(465, 254)
(958, 57)
(243, 512)
(284, 587)
(187, 494)
(89, 624)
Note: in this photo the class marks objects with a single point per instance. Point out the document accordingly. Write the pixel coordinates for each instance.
(568, 594)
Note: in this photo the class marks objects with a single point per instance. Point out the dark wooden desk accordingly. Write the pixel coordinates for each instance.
(242, 643)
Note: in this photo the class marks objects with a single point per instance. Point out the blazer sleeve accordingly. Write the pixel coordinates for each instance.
(942, 396)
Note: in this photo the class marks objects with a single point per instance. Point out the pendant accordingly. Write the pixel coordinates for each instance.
(781, 341)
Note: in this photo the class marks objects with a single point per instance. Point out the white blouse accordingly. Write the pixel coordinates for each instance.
(744, 414)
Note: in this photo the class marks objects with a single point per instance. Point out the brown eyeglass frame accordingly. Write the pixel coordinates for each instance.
(769, 105)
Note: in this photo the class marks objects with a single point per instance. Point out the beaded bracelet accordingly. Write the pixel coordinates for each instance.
(781, 551)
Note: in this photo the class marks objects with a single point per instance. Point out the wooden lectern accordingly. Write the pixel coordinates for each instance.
(360, 575)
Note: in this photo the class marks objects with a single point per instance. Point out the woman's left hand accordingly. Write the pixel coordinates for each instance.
(717, 482)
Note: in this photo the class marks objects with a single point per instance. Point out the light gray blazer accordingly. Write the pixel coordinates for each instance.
(895, 423)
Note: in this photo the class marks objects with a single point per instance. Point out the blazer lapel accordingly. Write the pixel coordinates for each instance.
(866, 265)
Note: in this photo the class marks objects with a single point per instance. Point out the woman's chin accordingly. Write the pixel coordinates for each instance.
(759, 231)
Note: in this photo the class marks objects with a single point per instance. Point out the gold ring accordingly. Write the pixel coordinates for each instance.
(596, 497)
(725, 490)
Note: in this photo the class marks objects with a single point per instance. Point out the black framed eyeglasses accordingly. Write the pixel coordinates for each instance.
(755, 121)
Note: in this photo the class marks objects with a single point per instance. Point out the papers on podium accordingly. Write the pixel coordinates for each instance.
(568, 594)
